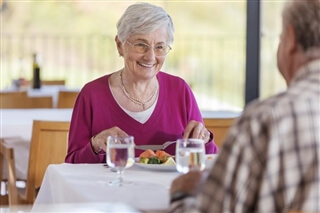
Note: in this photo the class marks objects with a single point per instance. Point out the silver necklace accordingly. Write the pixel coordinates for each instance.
(135, 100)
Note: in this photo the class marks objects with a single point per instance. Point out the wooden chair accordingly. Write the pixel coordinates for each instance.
(48, 146)
(49, 82)
(39, 102)
(8, 154)
(53, 82)
(66, 99)
(12, 99)
(219, 127)
(20, 100)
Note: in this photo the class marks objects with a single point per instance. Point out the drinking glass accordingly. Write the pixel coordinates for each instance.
(120, 155)
(190, 155)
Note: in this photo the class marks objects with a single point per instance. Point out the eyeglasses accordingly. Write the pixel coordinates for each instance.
(159, 49)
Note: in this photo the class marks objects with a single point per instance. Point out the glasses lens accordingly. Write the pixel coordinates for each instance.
(159, 50)
(140, 47)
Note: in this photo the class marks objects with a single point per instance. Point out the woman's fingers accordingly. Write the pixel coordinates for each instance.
(196, 129)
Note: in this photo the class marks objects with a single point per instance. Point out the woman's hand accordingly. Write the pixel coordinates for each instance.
(196, 129)
(99, 141)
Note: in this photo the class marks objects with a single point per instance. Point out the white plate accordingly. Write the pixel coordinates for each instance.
(158, 167)
(209, 163)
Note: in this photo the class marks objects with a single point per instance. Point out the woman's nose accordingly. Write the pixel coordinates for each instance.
(150, 53)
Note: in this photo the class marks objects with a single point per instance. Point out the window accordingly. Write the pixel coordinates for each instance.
(271, 81)
(75, 40)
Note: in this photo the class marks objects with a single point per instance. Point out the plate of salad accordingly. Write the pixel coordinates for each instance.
(159, 160)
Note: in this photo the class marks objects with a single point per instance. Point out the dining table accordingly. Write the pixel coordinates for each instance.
(146, 187)
(16, 129)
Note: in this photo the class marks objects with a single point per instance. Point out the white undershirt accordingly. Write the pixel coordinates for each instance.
(142, 116)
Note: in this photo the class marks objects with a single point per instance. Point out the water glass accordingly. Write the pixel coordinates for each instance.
(120, 155)
(190, 155)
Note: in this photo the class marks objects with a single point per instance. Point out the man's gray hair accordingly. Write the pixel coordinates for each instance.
(304, 16)
(143, 18)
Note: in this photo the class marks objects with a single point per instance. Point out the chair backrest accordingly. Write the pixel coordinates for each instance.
(20, 100)
(50, 82)
(12, 99)
(219, 127)
(39, 102)
(48, 146)
(7, 154)
(66, 99)
(53, 82)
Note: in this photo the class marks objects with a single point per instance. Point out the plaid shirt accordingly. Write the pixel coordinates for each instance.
(270, 160)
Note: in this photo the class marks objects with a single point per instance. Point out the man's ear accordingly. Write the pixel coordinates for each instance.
(291, 40)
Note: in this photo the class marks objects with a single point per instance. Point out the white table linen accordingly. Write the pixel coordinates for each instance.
(220, 114)
(16, 128)
(85, 183)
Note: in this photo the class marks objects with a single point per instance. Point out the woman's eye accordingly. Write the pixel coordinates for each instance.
(141, 45)
(160, 47)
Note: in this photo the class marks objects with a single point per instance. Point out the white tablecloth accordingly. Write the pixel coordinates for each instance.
(16, 128)
(89, 183)
(85, 183)
(220, 114)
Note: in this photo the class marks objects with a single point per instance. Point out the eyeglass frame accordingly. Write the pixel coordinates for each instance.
(149, 47)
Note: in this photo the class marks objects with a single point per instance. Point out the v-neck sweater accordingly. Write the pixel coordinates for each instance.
(96, 110)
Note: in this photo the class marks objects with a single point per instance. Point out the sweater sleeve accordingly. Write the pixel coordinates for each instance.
(79, 147)
(195, 114)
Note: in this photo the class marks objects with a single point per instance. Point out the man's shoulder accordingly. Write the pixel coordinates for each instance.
(257, 107)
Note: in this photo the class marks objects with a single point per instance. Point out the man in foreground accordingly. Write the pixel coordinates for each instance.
(270, 161)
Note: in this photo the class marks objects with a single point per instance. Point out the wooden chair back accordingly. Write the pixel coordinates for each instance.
(20, 100)
(53, 82)
(50, 82)
(219, 127)
(48, 146)
(39, 102)
(66, 99)
(7, 155)
(12, 99)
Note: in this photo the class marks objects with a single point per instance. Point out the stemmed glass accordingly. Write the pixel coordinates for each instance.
(190, 155)
(120, 155)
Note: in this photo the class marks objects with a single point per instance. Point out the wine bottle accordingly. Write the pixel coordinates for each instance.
(36, 83)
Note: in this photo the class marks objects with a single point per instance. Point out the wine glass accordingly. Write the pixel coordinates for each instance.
(120, 155)
(190, 155)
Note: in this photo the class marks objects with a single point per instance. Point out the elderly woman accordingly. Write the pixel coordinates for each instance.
(139, 99)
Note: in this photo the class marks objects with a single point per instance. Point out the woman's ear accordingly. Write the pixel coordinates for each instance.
(119, 46)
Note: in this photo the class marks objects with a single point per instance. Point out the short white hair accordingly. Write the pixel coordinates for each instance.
(304, 16)
(143, 18)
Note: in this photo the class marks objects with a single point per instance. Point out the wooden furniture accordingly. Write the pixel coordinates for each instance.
(20, 100)
(219, 127)
(12, 99)
(66, 99)
(48, 146)
(39, 102)
(53, 82)
(49, 82)
(7, 154)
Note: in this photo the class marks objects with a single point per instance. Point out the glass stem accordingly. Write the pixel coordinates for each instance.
(120, 177)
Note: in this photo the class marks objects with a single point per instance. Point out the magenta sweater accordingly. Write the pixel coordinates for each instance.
(96, 110)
